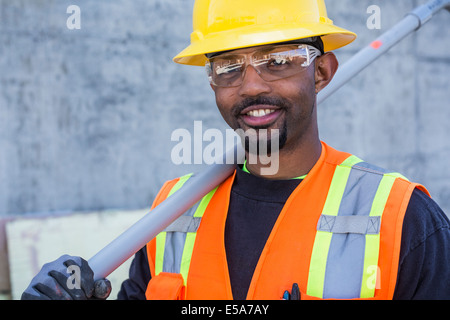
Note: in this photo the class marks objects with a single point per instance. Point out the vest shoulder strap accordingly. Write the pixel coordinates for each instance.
(174, 245)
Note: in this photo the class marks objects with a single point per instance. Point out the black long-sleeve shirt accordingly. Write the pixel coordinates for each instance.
(255, 203)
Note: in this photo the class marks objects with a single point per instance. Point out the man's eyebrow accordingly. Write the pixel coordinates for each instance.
(228, 55)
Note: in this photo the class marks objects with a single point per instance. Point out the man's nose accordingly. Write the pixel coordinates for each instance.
(252, 83)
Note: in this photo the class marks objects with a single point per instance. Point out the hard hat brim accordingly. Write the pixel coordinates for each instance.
(332, 36)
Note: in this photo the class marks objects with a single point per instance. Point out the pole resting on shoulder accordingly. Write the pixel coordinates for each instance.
(163, 215)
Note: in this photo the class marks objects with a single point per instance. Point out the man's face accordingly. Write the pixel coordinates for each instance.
(286, 104)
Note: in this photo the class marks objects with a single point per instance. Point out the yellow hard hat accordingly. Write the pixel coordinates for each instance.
(221, 25)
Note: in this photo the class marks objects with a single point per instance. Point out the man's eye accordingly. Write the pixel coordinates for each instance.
(227, 69)
(278, 61)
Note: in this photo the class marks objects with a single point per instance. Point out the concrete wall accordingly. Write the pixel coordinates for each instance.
(86, 115)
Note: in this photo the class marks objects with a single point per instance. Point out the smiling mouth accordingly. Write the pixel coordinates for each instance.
(258, 116)
(260, 112)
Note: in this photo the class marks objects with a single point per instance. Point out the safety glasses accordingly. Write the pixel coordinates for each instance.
(271, 63)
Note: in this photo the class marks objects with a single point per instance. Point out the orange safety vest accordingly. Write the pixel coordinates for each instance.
(338, 236)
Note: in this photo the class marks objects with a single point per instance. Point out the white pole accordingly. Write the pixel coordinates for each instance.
(410, 23)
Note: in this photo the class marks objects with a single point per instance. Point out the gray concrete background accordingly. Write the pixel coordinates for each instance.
(86, 115)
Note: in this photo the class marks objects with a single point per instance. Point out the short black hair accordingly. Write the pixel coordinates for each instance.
(312, 41)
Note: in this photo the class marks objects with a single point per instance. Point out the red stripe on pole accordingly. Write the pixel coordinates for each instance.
(376, 44)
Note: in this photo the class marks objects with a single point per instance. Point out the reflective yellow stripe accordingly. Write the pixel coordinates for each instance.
(372, 249)
(159, 256)
(337, 186)
(316, 277)
(317, 267)
(180, 183)
(161, 237)
(190, 237)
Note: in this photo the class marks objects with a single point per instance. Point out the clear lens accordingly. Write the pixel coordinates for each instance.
(271, 63)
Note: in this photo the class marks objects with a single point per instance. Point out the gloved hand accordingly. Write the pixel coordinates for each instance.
(67, 278)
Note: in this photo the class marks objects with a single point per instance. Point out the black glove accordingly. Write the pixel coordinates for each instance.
(67, 278)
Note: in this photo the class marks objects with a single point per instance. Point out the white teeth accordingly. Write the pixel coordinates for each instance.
(259, 112)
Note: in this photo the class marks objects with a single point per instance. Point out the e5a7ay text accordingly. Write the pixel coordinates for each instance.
(246, 309)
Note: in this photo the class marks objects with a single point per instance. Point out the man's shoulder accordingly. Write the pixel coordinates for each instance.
(167, 188)
(423, 218)
(425, 251)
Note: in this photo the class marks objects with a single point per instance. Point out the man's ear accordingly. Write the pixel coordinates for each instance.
(326, 66)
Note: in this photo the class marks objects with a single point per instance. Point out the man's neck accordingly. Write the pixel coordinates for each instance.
(290, 163)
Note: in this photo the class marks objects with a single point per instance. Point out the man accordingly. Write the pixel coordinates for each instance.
(325, 225)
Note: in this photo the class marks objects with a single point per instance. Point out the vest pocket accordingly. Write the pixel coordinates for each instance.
(166, 286)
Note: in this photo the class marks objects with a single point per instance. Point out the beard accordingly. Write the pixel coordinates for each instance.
(260, 139)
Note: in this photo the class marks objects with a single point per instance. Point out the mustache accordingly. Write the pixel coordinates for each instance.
(248, 102)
